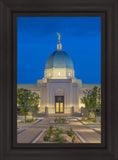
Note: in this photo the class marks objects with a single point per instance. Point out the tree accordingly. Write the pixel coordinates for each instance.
(18, 110)
(96, 99)
(92, 99)
(33, 102)
(99, 98)
(98, 110)
(86, 99)
(23, 96)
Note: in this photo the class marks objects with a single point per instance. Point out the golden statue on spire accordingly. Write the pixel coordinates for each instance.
(58, 36)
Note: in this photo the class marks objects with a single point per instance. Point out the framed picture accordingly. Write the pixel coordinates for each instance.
(59, 80)
(60, 107)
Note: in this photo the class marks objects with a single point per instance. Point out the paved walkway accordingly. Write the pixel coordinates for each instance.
(84, 133)
(28, 135)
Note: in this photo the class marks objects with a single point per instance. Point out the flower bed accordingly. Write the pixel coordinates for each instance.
(28, 120)
(60, 120)
(53, 135)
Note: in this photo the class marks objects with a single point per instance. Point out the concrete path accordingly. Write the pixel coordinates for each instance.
(28, 135)
(84, 133)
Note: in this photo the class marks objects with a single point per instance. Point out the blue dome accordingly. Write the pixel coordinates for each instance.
(59, 59)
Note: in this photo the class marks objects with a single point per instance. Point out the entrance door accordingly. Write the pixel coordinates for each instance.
(59, 104)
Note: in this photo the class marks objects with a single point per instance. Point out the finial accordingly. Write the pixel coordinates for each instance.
(58, 36)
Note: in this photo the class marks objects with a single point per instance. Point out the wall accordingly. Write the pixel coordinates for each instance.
(66, 87)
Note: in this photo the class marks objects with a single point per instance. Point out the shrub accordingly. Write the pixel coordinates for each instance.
(69, 132)
(87, 121)
(46, 138)
(60, 120)
(73, 139)
(94, 120)
(49, 132)
(82, 118)
(63, 120)
(29, 120)
(61, 140)
(22, 121)
(51, 127)
(56, 119)
(88, 118)
(57, 136)
(60, 131)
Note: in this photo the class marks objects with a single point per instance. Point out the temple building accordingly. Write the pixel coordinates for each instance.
(59, 90)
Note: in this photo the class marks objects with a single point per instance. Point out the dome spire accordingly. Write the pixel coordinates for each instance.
(58, 37)
(59, 46)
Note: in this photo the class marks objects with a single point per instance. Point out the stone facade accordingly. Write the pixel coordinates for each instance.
(59, 87)
(72, 90)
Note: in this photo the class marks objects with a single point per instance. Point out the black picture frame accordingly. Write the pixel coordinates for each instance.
(9, 10)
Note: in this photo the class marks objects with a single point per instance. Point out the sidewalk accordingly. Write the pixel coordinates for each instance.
(95, 126)
(84, 133)
(27, 125)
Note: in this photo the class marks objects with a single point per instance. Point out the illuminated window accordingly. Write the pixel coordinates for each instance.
(59, 73)
(69, 73)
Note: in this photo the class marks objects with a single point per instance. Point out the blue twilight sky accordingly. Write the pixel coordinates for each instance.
(37, 39)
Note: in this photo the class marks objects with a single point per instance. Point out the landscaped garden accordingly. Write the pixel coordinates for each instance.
(90, 120)
(28, 120)
(58, 135)
(60, 120)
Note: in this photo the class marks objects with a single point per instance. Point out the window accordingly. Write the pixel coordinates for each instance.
(69, 73)
(59, 73)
